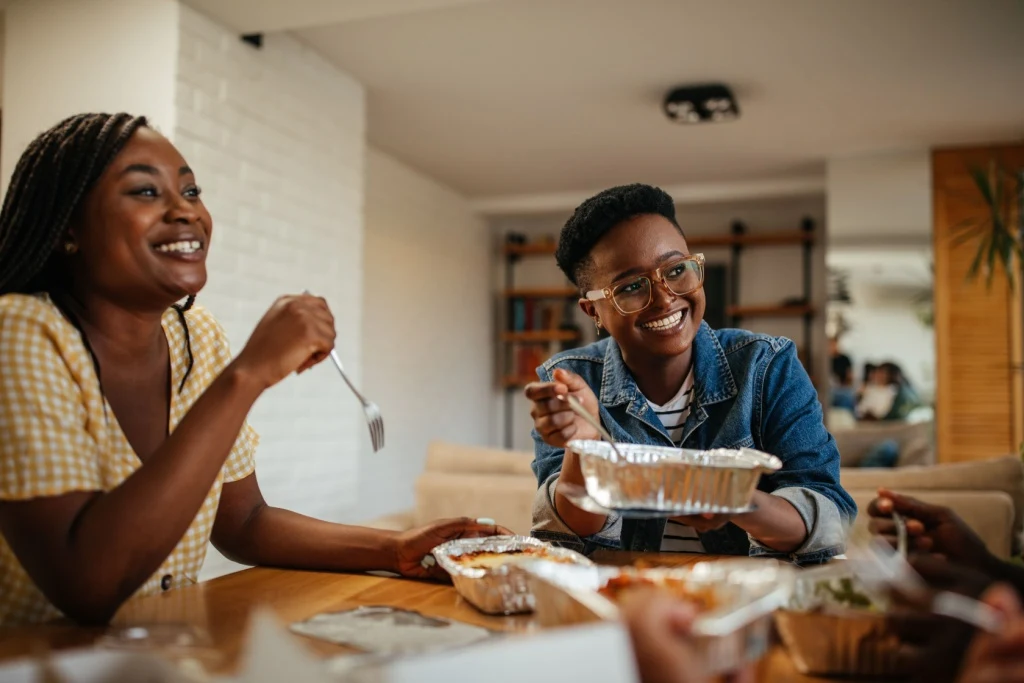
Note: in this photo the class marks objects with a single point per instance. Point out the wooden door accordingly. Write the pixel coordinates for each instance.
(980, 392)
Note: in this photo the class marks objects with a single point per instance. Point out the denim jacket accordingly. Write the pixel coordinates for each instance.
(750, 390)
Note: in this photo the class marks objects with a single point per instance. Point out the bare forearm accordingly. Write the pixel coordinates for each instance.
(775, 524)
(281, 538)
(123, 536)
(581, 522)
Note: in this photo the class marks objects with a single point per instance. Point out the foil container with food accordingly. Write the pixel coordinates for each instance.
(488, 571)
(675, 480)
(734, 598)
(832, 627)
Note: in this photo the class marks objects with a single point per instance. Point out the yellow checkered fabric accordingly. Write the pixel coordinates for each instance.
(58, 434)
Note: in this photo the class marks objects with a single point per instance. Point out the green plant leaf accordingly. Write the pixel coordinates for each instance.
(972, 272)
(981, 180)
(1000, 238)
(966, 235)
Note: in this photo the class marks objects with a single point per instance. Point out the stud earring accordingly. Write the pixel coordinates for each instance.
(70, 247)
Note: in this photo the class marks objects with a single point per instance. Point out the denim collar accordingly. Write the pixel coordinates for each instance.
(712, 381)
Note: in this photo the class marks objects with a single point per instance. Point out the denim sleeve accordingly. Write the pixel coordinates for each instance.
(548, 526)
(792, 427)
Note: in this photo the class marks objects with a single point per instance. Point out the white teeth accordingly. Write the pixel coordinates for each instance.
(183, 247)
(664, 322)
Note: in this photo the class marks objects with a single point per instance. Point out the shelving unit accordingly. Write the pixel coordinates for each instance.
(740, 240)
(542, 341)
(769, 311)
(534, 343)
(540, 293)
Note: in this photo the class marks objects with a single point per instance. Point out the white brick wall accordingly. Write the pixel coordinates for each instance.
(427, 333)
(276, 137)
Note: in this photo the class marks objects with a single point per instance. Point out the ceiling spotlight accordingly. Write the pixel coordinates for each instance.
(701, 103)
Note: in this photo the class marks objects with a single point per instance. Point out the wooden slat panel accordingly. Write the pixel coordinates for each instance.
(980, 392)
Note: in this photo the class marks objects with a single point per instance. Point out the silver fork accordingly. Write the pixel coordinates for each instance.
(370, 409)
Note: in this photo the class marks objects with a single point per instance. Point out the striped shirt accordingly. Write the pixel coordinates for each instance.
(678, 538)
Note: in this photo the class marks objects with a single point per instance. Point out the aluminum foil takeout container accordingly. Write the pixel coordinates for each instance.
(825, 638)
(734, 633)
(502, 589)
(676, 480)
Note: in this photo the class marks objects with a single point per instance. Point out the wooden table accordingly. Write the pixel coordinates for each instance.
(222, 606)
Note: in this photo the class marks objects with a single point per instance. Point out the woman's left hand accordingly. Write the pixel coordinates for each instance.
(413, 558)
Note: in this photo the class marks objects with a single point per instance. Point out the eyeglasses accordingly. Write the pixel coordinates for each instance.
(680, 277)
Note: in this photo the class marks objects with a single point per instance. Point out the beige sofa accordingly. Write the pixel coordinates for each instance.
(488, 482)
(915, 441)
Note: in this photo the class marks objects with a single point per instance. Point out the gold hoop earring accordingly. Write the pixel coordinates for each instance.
(70, 247)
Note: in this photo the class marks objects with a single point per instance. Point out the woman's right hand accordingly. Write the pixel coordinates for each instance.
(553, 419)
(930, 528)
(293, 336)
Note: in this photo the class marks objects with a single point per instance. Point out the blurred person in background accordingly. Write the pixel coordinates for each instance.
(843, 394)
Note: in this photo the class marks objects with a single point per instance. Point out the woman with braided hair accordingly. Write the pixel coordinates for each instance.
(123, 442)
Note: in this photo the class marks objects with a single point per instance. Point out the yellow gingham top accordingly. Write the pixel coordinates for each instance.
(58, 434)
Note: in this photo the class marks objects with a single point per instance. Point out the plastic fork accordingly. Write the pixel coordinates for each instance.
(370, 409)
(880, 569)
(578, 408)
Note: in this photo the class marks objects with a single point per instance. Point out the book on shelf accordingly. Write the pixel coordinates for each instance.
(528, 358)
(529, 315)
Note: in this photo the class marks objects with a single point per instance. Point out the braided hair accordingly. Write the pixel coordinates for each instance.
(51, 180)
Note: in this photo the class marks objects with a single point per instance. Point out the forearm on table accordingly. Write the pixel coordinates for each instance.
(281, 538)
(776, 524)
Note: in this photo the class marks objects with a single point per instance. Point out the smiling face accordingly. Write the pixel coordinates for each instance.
(142, 232)
(667, 327)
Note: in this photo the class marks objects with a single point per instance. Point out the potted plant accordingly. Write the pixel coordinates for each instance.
(1000, 232)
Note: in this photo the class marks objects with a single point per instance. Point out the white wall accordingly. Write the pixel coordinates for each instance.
(276, 137)
(884, 326)
(63, 57)
(885, 196)
(880, 206)
(767, 274)
(888, 288)
(3, 52)
(428, 344)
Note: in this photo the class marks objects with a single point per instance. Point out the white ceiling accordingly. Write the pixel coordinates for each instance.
(512, 97)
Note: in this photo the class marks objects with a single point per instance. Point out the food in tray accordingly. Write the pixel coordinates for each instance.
(844, 592)
(488, 559)
(702, 597)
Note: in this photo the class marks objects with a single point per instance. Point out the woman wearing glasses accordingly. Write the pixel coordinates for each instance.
(665, 378)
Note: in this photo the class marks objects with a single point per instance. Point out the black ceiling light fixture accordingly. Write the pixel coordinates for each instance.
(713, 103)
(254, 39)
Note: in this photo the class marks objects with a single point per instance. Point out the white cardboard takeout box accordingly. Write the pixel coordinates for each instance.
(272, 655)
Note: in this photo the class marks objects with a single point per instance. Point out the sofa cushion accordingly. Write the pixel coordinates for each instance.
(1004, 474)
(508, 500)
(443, 456)
(915, 441)
(989, 513)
